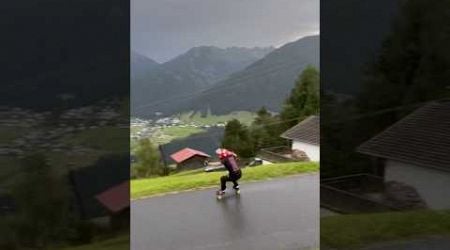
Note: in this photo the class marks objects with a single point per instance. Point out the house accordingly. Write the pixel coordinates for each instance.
(89, 185)
(188, 158)
(416, 151)
(305, 137)
(117, 201)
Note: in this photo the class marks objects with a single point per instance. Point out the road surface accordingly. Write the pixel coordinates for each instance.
(275, 214)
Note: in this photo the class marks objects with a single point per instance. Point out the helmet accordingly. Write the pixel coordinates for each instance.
(224, 153)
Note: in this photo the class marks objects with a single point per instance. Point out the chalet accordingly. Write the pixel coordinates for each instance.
(117, 201)
(99, 192)
(188, 158)
(416, 151)
(305, 137)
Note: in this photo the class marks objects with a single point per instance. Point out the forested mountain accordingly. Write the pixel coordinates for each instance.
(267, 82)
(197, 69)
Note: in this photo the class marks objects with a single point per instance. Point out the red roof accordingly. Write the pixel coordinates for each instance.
(186, 153)
(116, 198)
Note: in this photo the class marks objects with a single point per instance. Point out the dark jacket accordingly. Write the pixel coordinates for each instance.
(231, 165)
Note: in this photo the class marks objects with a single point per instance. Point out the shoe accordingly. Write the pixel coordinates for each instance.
(220, 192)
(236, 188)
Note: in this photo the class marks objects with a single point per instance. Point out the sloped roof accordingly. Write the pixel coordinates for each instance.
(421, 138)
(307, 131)
(187, 153)
(116, 198)
(90, 181)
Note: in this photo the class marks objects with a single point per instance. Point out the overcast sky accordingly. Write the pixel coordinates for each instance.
(163, 29)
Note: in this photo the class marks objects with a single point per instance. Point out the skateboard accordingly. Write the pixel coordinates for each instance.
(220, 196)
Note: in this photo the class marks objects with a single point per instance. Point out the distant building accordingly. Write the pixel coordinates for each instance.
(96, 196)
(117, 201)
(416, 151)
(305, 137)
(188, 158)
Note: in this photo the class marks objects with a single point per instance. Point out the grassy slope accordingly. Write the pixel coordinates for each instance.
(120, 243)
(9, 134)
(104, 138)
(180, 132)
(352, 231)
(243, 116)
(183, 181)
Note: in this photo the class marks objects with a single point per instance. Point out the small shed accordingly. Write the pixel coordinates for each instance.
(189, 158)
(305, 137)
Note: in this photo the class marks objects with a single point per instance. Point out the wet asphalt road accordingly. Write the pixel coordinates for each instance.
(275, 214)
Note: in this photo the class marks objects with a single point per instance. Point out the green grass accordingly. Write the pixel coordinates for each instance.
(119, 243)
(166, 135)
(353, 231)
(135, 129)
(196, 179)
(181, 132)
(9, 134)
(64, 161)
(243, 116)
(9, 167)
(105, 138)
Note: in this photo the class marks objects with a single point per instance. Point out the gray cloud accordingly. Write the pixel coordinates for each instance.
(162, 29)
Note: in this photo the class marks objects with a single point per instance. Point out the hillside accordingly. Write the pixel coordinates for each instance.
(197, 69)
(140, 65)
(74, 51)
(267, 82)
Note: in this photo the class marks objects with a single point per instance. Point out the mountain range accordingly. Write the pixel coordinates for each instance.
(265, 82)
(195, 70)
(140, 65)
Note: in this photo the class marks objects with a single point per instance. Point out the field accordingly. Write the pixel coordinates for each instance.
(243, 116)
(119, 243)
(353, 231)
(8, 134)
(199, 179)
(105, 138)
(168, 134)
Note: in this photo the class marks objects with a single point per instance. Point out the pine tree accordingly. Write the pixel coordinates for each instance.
(238, 139)
(414, 63)
(304, 99)
(42, 196)
(265, 131)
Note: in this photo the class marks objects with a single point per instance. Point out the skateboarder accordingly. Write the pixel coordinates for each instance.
(229, 160)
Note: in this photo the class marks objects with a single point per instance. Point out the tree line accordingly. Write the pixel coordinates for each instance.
(412, 67)
(265, 130)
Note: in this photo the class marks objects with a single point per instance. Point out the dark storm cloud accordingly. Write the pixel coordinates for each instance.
(162, 29)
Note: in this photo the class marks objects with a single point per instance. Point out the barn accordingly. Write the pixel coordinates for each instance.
(188, 158)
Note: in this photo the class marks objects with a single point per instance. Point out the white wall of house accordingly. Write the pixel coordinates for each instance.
(312, 151)
(432, 185)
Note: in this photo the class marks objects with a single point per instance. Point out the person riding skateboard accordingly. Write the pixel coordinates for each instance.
(229, 160)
